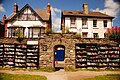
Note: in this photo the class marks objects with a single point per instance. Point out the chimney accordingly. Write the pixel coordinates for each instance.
(85, 8)
(48, 8)
(15, 8)
(3, 20)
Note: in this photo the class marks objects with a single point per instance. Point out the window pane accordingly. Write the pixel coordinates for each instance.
(95, 35)
(31, 17)
(105, 23)
(94, 23)
(84, 34)
(36, 32)
(84, 23)
(73, 20)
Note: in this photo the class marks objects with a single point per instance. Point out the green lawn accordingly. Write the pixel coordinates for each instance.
(106, 77)
(4, 76)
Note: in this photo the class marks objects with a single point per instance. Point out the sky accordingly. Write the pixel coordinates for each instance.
(110, 7)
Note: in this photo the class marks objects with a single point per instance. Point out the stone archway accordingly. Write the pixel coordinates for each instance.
(59, 56)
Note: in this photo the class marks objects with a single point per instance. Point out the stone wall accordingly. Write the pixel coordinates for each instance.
(67, 40)
(51, 40)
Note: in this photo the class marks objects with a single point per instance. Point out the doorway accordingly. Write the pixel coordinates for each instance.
(59, 56)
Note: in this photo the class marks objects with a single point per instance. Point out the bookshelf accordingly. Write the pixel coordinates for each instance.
(1, 54)
(93, 55)
(19, 55)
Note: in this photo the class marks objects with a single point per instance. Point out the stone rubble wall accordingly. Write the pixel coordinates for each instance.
(51, 40)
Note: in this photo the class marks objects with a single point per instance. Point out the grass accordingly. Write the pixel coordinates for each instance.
(4, 76)
(106, 77)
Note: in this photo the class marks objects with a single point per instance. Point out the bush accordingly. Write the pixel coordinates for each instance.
(67, 30)
(113, 33)
(77, 35)
(49, 31)
(46, 69)
(70, 69)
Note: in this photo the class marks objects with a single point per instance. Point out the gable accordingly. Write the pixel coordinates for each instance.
(26, 14)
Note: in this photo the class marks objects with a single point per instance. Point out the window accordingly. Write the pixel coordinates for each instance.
(105, 23)
(94, 23)
(84, 34)
(35, 32)
(16, 32)
(84, 23)
(73, 20)
(95, 35)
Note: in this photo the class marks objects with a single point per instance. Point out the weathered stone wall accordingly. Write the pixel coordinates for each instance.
(69, 41)
(51, 40)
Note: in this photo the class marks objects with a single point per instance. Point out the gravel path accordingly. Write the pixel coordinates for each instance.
(62, 75)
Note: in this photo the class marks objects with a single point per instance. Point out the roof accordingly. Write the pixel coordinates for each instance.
(42, 13)
(81, 14)
(9, 17)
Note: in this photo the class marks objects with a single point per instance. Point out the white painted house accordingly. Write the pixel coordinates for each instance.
(89, 24)
(28, 22)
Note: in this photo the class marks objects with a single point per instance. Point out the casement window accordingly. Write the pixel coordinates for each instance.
(15, 32)
(94, 23)
(73, 22)
(95, 35)
(35, 32)
(84, 23)
(84, 34)
(105, 23)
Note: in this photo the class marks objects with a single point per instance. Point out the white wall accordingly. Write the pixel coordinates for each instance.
(99, 29)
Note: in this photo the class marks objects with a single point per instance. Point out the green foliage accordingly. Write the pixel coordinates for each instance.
(4, 76)
(77, 35)
(70, 69)
(67, 30)
(18, 33)
(114, 36)
(49, 31)
(47, 69)
(113, 33)
(106, 77)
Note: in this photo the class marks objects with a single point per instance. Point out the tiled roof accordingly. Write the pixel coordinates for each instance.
(43, 13)
(80, 13)
(9, 17)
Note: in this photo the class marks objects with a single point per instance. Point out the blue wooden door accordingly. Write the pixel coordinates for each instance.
(59, 55)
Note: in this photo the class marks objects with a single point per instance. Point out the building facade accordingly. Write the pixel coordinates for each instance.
(89, 24)
(27, 22)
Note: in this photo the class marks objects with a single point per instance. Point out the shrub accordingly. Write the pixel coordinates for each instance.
(113, 33)
(70, 69)
(77, 35)
(49, 31)
(67, 30)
